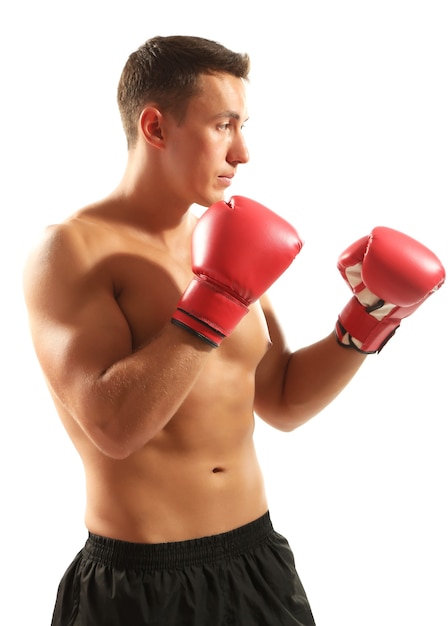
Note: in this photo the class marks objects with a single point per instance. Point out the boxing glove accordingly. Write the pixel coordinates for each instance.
(239, 248)
(390, 275)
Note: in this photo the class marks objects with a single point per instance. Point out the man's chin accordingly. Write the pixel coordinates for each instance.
(217, 197)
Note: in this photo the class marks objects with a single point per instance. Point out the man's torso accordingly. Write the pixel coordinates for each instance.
(199, 475)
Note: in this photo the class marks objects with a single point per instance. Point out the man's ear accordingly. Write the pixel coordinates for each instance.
(151, 126)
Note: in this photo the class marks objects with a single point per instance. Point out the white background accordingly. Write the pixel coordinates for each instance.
(348, 130)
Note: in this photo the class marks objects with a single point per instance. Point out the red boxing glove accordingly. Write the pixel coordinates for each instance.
(391, 275)
(239, 248)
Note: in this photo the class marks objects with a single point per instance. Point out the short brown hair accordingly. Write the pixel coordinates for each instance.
(166, 71)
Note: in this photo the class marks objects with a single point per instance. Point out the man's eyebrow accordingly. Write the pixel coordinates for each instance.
(232, 114)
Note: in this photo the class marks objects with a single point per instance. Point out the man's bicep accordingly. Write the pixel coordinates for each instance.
(271, 370)
(77, 327)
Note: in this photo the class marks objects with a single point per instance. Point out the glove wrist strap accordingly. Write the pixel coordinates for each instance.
(359, 329)
(207, 311)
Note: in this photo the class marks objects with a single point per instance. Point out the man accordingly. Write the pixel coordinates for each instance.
(158, 344)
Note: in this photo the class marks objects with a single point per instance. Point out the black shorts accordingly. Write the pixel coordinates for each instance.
(245, 577)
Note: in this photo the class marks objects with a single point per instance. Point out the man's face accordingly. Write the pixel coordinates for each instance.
(204, 151)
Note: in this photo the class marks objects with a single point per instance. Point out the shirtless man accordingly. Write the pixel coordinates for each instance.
(162, 413)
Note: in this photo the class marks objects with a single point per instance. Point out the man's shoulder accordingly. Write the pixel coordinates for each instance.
(89, 232)
(62, 247)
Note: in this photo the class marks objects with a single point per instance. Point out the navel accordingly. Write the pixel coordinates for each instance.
(216, 470)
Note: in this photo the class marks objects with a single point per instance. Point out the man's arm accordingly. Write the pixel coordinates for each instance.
(119, 397)
(390, 275)
(293, 387)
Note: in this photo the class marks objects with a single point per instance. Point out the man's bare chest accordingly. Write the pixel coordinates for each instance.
(147, 284)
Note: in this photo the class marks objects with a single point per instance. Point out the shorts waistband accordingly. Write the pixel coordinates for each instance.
(155, 556)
